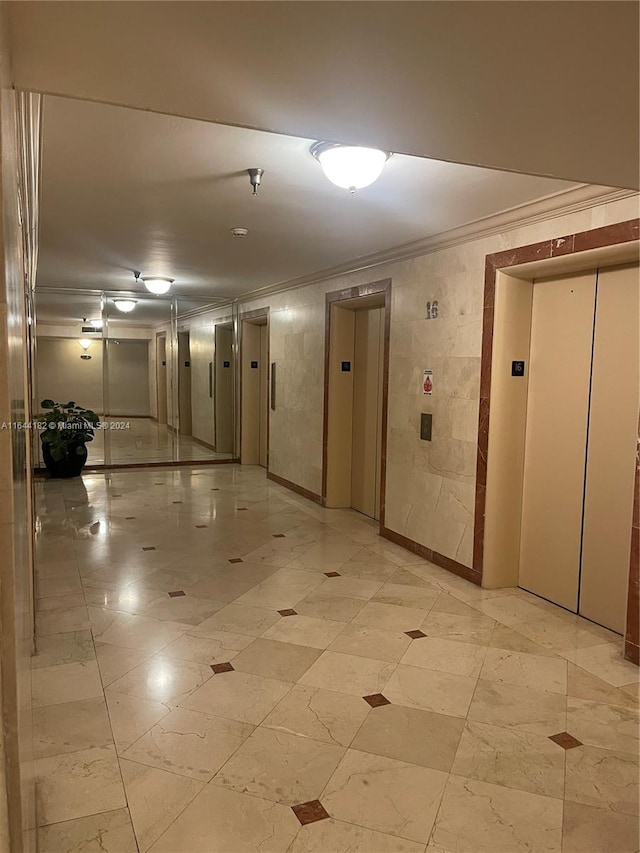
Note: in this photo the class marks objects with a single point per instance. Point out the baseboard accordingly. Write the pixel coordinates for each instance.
(432, 556)
(294, 487)
(632, 652)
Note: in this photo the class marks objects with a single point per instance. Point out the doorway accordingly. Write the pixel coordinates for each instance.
(254, 379)
(563, 432)
(355, 401)
(161, 377)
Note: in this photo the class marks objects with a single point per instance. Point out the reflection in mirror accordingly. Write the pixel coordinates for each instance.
(139, 412)
(68, 359)
(205, 395)
(160, 375)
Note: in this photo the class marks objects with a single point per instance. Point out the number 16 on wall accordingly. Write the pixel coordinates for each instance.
(432, 310)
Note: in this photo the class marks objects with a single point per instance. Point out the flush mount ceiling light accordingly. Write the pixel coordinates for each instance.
(157, 284)
(85, 343)
(350, 166)
(125, 305)
(240, 232)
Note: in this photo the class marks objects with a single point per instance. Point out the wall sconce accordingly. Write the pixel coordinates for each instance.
(85, 343)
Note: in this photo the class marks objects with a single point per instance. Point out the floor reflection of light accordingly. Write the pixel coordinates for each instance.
(128, 598)
(160, 679)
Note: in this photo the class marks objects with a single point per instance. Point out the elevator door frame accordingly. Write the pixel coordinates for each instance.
(259, 317)
(356, 297)
(602, 247)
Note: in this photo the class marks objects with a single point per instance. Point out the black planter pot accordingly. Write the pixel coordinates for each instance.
(70, 466)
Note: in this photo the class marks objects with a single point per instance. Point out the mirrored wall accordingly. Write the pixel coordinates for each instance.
(160, 373)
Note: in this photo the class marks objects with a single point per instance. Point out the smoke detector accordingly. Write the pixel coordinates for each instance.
(240, 232)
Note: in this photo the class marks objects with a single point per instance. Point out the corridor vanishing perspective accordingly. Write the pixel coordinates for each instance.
(226, 667)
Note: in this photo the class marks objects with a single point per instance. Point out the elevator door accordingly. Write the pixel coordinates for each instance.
(367, 411)
(613, 422)
(556, 434)
(582, 413)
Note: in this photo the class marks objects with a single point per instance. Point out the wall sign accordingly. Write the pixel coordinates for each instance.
(346, 367)
(427, 382)
(226, 364)
(517, 368)
(254, 365)
(432, 310)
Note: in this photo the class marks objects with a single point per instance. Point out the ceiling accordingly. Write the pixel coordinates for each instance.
(540, 88)
(60, 307)
(124, 189)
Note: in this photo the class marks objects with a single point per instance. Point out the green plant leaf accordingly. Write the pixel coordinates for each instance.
(47, 404)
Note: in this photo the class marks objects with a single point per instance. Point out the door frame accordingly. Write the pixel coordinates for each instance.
(361, 291)
(252, 316)
(611, 244)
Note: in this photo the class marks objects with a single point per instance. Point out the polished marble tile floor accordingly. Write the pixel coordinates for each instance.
(141, 440)
(225, 667)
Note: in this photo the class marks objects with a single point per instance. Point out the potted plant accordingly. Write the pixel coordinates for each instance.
(66, 429)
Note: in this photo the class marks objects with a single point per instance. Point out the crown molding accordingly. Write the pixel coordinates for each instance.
(552, 206)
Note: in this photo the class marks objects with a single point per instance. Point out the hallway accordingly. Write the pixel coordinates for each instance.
(224, 666)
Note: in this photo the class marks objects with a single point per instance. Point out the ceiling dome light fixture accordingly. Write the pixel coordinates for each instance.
(125, 305)
(351, 167)
(157, 284)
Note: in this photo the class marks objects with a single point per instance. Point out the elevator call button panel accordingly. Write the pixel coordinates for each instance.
(425, 426)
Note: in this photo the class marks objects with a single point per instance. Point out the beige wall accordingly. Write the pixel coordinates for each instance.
(430, 488)
(62, 375)
(129, 378)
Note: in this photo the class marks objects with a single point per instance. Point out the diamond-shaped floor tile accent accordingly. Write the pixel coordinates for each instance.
(236, 560)
(310, 812)
(148, 547)
(376, 700)
(415, 635)
(176, 593)
(288, 612)
(565, 740)
(221, 667)
(332, 574)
